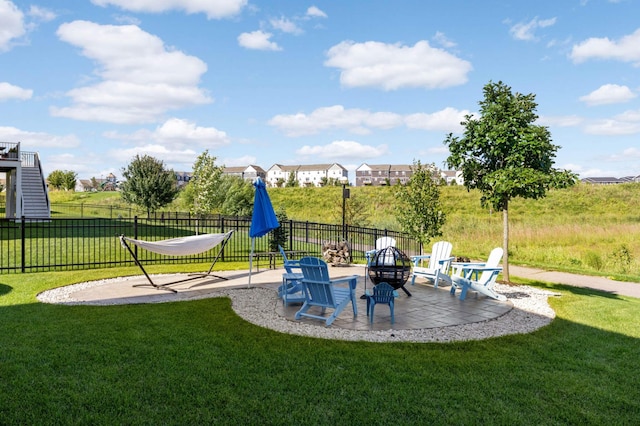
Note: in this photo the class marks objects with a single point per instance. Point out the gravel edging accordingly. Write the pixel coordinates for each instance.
(256, 305)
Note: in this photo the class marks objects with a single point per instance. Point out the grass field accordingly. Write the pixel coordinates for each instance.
(198, 363)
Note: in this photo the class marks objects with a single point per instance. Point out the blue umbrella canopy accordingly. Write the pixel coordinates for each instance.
(264, 218)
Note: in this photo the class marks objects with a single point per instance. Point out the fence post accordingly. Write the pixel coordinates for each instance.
(135, 232)
(23, 239)
(291, 235)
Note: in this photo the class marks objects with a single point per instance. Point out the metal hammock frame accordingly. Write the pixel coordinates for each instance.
(179, 246)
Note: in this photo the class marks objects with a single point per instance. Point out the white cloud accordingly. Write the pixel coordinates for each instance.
(141, 78)
(334, 117)
(9, 91)
(238, 161)
(314, 12)
(443, 41)
(394, 66)
(35, 140)
(214, 9)
(285, 25)
(342, 150)
(257, 40)
(177, 133)
(446, 120)
(608, 94)
(626, 155)
(12, 25)
(360, 121)
(41, 14)
(627, 49)
(612, 127)
(526, 30)
(630, 115)
(184, 157)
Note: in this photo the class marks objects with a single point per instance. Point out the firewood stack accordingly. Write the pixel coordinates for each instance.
(336, 254)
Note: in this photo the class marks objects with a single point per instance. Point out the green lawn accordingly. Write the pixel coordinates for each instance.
(199, 363)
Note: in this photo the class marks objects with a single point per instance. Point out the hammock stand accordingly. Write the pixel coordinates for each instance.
(181, 246)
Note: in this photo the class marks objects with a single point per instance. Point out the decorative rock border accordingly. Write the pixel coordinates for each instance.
(258, 306)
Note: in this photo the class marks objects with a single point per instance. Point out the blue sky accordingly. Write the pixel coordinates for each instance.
(89, 84)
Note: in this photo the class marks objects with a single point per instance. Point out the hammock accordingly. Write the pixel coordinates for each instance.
(182, 246)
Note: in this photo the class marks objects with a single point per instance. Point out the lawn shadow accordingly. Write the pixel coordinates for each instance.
(5, 289)
(581, 291)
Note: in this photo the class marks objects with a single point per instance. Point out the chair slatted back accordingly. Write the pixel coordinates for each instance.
(383, 293)
(492, 262)
(440, 250)
(289, 265)
(317, 282)
(384, 242)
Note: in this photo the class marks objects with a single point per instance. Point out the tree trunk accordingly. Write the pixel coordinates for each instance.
(505, 244)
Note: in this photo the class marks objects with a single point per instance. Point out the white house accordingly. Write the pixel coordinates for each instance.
(306, 175)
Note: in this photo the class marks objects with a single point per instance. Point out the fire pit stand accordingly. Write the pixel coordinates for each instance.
(392, 266)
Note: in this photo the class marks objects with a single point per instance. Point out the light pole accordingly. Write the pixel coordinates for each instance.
(345, 194)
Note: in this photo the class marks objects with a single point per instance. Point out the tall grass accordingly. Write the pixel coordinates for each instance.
(593, 229)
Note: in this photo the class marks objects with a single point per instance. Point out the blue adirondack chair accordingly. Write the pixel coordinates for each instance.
(383, 294)
(323, 292)
(291, 289)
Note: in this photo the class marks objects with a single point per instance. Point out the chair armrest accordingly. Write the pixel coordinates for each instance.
(352, 280)
(417, 259)
(478, 269)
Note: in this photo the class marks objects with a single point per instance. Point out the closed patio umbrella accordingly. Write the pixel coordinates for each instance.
(263, 219)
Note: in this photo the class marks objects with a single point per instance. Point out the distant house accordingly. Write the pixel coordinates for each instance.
(279, 173)
(602, 180)
(183, 178)
(306, 175)
(84, 185)
(382, 174)
(630, 179)
(95, 184)
(248, 173)
(452, 177)
(319, 174)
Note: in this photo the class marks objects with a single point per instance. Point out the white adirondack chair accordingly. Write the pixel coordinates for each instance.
(479, 277)
(381, 244)
(438, 267)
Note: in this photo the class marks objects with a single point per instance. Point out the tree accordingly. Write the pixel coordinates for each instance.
(236, 196)
(418, 210)
(505, 155)
(355, 210)
(279, 235)
(292, 182)
(147, 184)
(69, 180)
(62, 179)
(56, 179)
(205, 183)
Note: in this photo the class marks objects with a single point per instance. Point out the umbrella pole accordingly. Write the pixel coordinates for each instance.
(253, 243)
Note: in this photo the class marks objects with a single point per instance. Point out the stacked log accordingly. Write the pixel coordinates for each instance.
(336, 254)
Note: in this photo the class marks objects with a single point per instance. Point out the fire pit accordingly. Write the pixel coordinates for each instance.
(392, 266)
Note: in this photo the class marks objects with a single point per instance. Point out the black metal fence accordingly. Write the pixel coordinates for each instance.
(58, 244)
